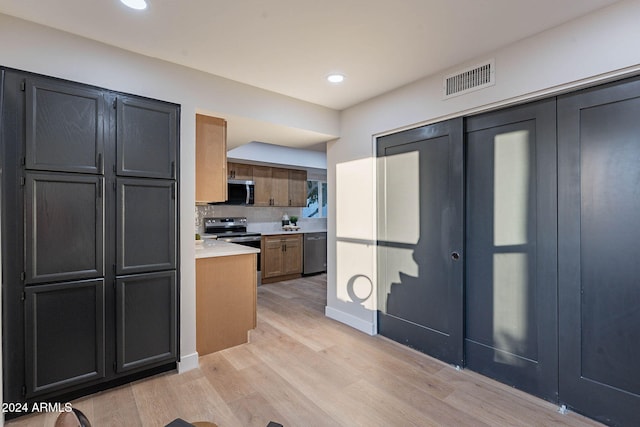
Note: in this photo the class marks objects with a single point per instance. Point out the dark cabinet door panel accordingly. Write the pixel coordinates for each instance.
(511, 264)
(64, 127)
(64, 227)
(64, 335)
(145, 320)
(599, 243)
(146, 225)
(420, 294)
(147, 138)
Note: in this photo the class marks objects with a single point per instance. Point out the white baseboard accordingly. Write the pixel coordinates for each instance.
(188, 362)
(350, 320)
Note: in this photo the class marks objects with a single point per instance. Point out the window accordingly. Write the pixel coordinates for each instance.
(316, 200)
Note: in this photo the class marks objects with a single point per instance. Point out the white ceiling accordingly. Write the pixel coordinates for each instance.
(289, 46)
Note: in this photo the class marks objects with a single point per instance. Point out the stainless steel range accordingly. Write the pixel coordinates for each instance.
(233, 230)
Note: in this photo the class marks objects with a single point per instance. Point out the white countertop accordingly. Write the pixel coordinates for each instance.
(270, 228)
(299, 231)
(215, 248)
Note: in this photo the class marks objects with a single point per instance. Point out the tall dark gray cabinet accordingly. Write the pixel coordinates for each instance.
(89, 214)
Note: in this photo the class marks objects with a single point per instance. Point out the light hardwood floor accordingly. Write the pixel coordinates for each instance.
(303, 369)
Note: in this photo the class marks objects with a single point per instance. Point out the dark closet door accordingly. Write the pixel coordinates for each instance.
(146, 225)
(64, 227)
(147, 137)
(423, 308)
(64, 324)
(145, 320)
(64, 130)
(511, 262)
(599, 247)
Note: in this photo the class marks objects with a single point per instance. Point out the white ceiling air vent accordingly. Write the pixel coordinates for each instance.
(474, 78)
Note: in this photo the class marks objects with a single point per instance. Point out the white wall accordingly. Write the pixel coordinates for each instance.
(276, 154)
(31, 47)
(593, 48)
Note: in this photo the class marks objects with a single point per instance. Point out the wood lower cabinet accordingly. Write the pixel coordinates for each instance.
(281, 257)
(225, 301)
(211, 159)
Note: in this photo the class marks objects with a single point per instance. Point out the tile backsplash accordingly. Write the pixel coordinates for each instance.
(260, 219)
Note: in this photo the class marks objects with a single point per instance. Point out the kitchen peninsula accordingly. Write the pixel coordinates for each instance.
(225, 295)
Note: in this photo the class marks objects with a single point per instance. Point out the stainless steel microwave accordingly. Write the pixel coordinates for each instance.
(240, 192)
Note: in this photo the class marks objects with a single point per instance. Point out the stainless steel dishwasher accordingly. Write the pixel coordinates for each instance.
(315, 252)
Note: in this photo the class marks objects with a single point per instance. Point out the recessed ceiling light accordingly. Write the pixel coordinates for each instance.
(135, 4)
(335, 78)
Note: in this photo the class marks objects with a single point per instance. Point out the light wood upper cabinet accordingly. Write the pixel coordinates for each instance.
(239, 171)
(297, 188)
(211, 159)
(262, 190)
(279, 186)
